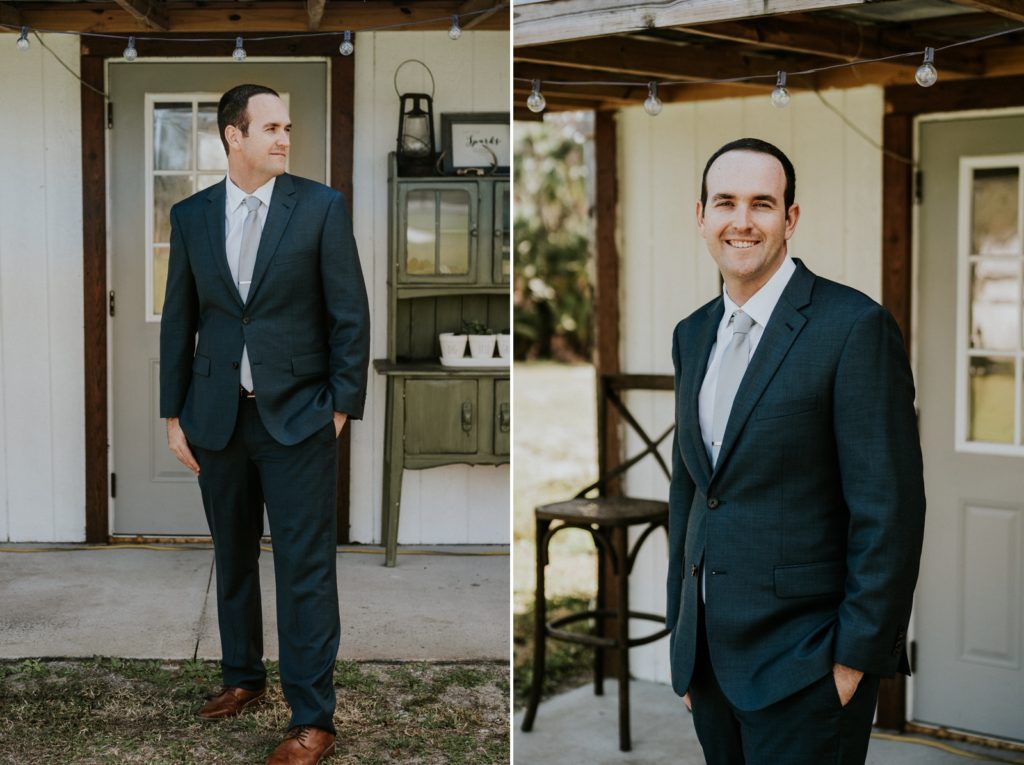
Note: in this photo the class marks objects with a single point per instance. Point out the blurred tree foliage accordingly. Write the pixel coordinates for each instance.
(554, 299)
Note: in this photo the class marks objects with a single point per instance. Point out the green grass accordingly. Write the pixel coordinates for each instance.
(127, 711)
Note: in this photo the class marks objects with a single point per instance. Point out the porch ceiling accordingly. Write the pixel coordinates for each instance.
(623, 45)
(201, 16)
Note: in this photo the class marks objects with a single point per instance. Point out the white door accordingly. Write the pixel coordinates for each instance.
(163, 146)
(968, 624)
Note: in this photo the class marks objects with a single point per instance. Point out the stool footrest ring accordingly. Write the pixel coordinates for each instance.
(552, 630)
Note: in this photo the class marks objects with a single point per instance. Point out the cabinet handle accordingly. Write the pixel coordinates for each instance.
(504, 417)
(467, 416)
(473, 231)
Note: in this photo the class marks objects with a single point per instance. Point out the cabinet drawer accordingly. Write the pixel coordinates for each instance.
(441, 416)
(502, 416)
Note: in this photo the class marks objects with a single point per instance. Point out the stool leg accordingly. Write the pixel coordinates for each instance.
(622, 553)
(599, 621)
(539, 627)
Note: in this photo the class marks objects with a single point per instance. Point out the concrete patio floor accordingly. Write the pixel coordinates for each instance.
(440, 604)
(579, 728)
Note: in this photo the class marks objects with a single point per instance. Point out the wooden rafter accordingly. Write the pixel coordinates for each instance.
(558, 20)
(152, 14)
(831, 38)
(314, 12)
(1011, 9)
(486, 8)
(9, 15)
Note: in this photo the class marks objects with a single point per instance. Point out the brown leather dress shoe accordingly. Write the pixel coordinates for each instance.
(304, 745)
(230, 702)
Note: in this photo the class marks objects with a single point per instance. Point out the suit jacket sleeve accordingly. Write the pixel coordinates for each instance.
(348, 314)
(178, 325)
(680, 498)
(882, 483)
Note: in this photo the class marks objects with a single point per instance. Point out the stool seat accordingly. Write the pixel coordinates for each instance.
(605, 511)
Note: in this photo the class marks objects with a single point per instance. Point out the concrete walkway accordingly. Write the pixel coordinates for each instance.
(579, 728)
(447, 604)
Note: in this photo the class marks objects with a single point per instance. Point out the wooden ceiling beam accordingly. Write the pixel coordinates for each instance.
(314, 14)
(831, 38)
(239, 18)
(482, 10)
(10, 16)
(152, 14)
(559, 20)
(1010, 9)
(638, 57)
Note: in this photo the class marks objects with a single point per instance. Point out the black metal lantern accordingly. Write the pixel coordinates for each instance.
(415, 145)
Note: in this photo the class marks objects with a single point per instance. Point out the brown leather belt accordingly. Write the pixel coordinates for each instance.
(243, 393)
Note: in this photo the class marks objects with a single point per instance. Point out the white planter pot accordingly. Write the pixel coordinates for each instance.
(453, 346)
(505, 346)
(481, 346)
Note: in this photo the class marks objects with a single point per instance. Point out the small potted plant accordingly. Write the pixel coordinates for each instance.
(481, 339)
(505, 344)
(453, 345)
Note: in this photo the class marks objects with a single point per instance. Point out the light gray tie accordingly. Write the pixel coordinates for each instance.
(251, 231)
(730, 372)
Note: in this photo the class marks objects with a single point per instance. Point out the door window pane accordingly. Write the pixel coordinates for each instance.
(454, 228)
(991, 399)
(995, 304)
(160, 258)
(211, 150)
(172, 136)
(420, 232)
(168, 190)
(994, 211)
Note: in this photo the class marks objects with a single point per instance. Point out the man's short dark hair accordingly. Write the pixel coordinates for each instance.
(761, 147)
(233, 108)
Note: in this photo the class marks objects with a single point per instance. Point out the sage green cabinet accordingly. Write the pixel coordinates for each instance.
(449, 261)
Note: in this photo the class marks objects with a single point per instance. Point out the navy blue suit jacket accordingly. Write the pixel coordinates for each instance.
(810, 525)
(305, 322)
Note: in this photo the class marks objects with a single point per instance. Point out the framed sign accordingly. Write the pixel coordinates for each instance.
(476, 140)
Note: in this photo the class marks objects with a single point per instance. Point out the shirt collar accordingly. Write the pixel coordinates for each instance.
(235, 196)
(761, 304)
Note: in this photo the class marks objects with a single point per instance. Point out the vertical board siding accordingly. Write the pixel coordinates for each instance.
(666, 272)
(42, 425)
(450, 504)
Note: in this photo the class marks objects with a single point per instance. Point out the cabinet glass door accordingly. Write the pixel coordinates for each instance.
(438, 234)
(502, 232)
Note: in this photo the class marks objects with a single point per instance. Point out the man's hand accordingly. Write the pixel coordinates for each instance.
(179, 446)
(688, 702)
(340, 418)
(847, 679)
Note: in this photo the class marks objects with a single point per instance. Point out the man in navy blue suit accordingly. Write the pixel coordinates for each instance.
(797, 498)
(264, 347)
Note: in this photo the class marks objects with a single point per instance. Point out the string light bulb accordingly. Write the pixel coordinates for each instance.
(130, 54)
(926, 74)
(536, 101)
(455, 31)
(239, 54)
(23, 39)
(346, 47)
(780, 96)
(652, 104)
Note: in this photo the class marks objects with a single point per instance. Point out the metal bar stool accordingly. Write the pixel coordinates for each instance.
(608, 520)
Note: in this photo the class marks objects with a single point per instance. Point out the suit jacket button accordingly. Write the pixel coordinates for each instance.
(234, 365)
(246, 320)
(713, 502)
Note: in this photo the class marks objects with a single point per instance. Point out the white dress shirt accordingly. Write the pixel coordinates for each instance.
(235, 214)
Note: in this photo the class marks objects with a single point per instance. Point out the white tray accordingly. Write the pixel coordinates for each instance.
(469, 361)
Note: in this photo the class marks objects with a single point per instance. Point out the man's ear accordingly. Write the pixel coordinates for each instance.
(232, 135)
(700, 216)
(792, 216)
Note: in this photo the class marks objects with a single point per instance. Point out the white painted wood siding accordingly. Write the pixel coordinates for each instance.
(42, 400)
(666, 271)
(459, 503)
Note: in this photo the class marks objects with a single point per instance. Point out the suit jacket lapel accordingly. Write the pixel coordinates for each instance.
(278, 214)
(705, 340)
(783, 328)
(215, 216)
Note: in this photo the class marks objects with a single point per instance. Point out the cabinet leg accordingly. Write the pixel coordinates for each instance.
(393, 465)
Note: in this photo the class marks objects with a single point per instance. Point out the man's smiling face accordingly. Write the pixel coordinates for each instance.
(744, 222)
(261, 153)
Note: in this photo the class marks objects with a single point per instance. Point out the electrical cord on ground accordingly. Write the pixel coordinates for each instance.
(942, 747)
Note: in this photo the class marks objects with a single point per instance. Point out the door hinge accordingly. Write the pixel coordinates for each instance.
(913, 657)
(918, 186)
(110, 303)
(113, 485)
(110, 115)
